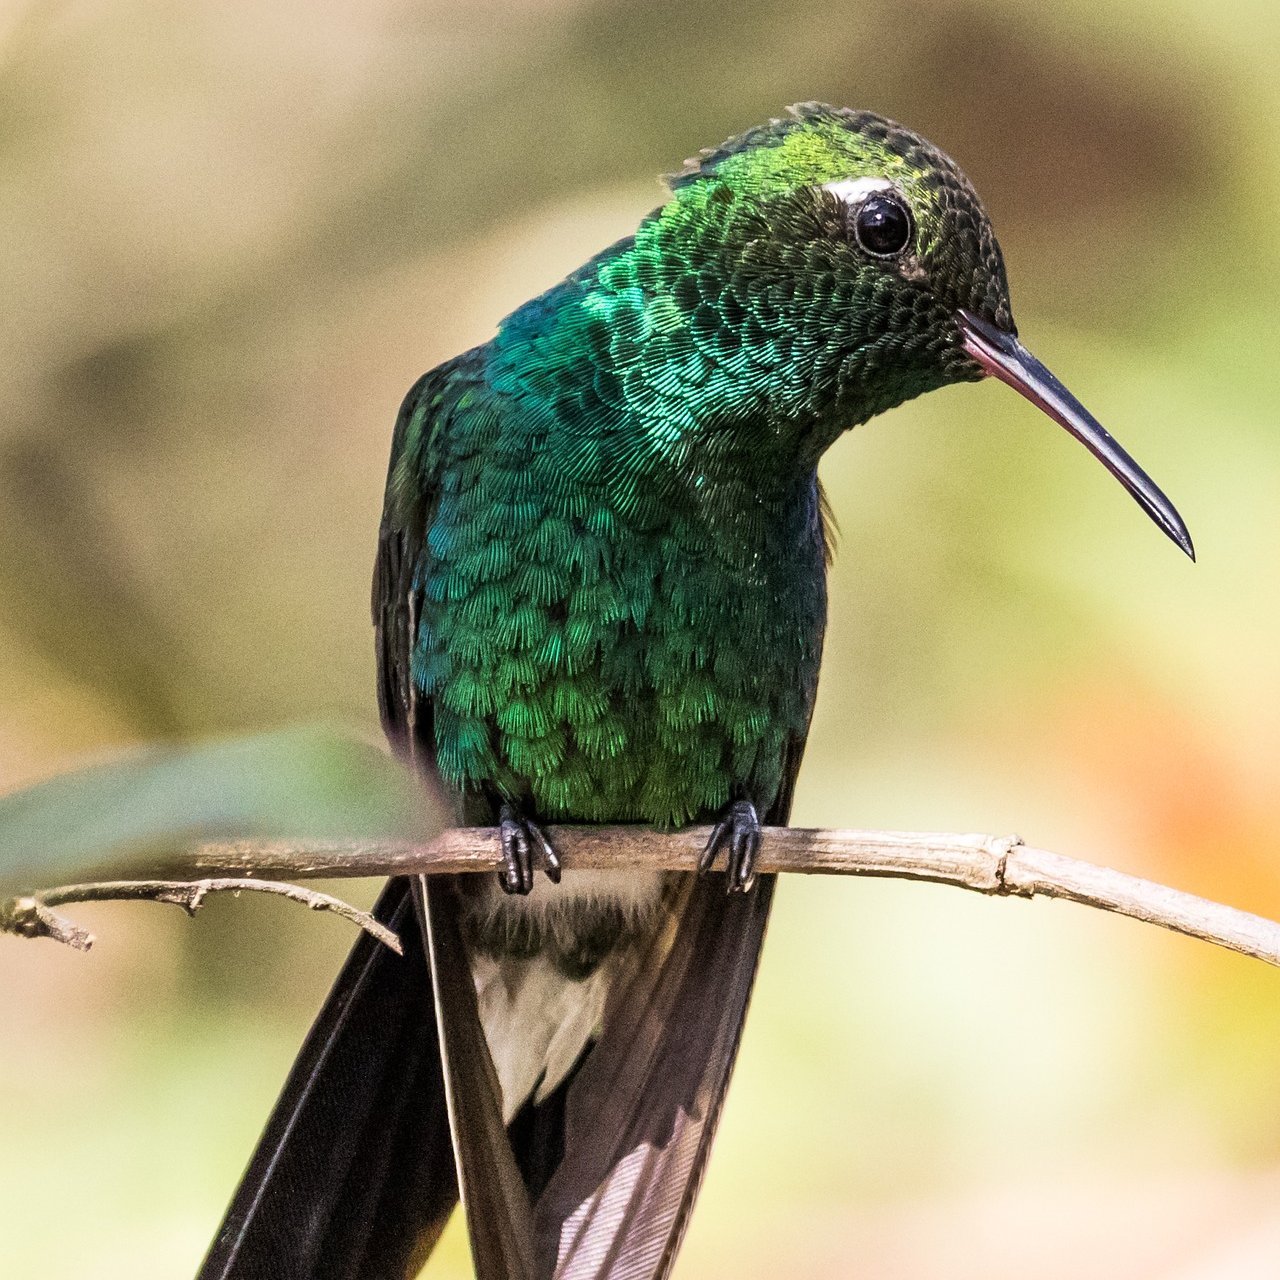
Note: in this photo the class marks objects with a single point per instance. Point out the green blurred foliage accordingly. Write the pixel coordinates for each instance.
(306, 783)
(236, 233)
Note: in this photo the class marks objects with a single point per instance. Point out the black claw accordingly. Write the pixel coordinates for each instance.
(523, 845)
(550, 861)
(738, 832)
(712, 847)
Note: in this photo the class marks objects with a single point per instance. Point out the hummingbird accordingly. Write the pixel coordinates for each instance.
(600, 597)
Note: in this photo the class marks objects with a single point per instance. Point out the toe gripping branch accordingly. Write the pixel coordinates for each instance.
(738, 833)
(524, 847)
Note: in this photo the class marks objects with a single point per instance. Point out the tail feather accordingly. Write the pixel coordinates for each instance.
(353, 1178)
(395, 1102)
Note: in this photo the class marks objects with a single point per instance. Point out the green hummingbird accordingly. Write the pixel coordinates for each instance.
(600, 597)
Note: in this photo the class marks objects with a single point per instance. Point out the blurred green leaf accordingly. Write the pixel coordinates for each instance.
(306, 783)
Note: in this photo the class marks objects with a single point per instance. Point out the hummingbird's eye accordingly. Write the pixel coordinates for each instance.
(882, 225)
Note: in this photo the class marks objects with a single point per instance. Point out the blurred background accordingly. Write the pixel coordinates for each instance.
(234, 233)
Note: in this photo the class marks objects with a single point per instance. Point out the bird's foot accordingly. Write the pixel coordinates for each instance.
(523, 847)
(737, 832)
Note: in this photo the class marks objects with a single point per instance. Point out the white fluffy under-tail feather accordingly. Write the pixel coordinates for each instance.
(536, 1020)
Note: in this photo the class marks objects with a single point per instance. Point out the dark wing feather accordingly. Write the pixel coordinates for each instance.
(496, 1203)
(497, 1206)
(353, 1176)
(493, 1194)
(397, 597)
(642, 1111)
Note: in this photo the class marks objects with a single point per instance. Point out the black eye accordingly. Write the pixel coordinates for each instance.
(882, 226)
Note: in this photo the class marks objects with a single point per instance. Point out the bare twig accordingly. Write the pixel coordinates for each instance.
(32, 917)
(994, 865)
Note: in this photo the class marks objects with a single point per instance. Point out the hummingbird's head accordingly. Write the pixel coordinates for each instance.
(876, 226)
(841, 264)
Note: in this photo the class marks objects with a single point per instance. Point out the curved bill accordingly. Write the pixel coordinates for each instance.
(1004, 357)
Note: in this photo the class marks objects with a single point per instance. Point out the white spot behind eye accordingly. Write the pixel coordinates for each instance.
(854, 190)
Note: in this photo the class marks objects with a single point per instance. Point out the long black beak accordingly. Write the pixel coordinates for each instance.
(1004, 357)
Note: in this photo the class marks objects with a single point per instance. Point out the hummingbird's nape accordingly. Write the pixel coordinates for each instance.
(1002, 356)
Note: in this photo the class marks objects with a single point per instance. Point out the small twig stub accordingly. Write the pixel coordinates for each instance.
(31, 916)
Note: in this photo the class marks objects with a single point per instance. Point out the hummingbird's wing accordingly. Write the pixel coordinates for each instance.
(354, 1174)
(411, 498)
(634, 1122)
(642, 1110)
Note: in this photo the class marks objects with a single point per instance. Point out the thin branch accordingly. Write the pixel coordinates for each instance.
(992, 865)
(32, 917)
